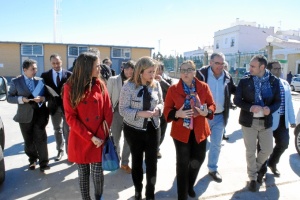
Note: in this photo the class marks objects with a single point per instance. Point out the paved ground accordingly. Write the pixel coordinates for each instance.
(60, 182)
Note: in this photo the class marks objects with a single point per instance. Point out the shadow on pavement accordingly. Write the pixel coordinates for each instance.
(46, 185)
(19, 148)
(295, 163)
(168, 194)
(235, 136)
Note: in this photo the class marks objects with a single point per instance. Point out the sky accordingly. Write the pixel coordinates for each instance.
(169, 26)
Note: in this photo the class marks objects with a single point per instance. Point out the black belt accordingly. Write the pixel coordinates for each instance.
(260, 118)
(218, 113)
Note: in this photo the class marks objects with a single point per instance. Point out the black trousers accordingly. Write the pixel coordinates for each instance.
(35, 137)
(163, 128)
(141, 142)
(189, 158)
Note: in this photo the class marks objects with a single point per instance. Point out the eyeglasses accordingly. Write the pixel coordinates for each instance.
(188, 70)
(217, 63)
(277, 69)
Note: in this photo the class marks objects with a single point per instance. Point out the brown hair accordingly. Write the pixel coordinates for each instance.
(81, 79)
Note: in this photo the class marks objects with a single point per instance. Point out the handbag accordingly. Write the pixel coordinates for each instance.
(110, 158)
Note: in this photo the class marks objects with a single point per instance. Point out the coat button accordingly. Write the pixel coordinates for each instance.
(97, 117)
(87, 119)
(95, 101)
(85, 102)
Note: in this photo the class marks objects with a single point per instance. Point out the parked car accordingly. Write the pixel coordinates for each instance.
(297, 132)
(295, 84)
(3, 96)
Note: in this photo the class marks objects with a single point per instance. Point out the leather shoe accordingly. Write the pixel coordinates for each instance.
(59, 155)
(45, 167)
(126, 168)
(158, 155)
(225, 137)
(192, 193)
(216, 176)
(32, 166)
(252, 186)
(274, 170)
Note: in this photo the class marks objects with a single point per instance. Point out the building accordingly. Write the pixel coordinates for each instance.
(12, 55)
(241, 37)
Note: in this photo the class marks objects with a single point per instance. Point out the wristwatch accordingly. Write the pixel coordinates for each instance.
(209, 112)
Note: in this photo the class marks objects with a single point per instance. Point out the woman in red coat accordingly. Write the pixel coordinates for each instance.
(188, 104)
(87, 105)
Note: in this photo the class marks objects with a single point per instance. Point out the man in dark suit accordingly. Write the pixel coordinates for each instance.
(55, 78)
(32, 114)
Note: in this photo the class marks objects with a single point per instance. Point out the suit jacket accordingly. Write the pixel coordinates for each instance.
(18, 88)
(289, 109)
(55, 102)
(175, 99)
(114, 86)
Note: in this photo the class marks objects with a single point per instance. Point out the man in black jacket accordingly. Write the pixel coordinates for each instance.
(258, 96)
(221, 85)
(55, 78)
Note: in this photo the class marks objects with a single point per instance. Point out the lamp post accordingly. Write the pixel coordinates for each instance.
(269, 40)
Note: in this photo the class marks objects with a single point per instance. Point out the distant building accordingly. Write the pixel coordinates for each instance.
(241, 37)
(12, 55)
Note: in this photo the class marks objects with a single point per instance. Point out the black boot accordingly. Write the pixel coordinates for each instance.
(98, 197)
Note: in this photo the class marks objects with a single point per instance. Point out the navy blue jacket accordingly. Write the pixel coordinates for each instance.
(245, 98)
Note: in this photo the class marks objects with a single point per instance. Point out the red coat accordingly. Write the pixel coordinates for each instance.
(85, 121)
(175, 99)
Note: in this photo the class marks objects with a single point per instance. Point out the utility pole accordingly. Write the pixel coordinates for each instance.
(56, 21)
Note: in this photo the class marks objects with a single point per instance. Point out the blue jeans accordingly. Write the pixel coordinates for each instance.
(217, 130)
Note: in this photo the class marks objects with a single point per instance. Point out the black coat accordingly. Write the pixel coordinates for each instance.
(54, 102)
(245, 98)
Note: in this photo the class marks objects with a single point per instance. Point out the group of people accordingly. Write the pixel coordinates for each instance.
(140, 101)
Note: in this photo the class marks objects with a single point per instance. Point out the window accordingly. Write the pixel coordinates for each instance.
(30, 50)
(226, 40)
(217, 44)
(232, 42)
(121, 53)
(76, 50)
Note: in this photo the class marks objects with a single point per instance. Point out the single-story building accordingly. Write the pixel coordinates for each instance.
(12, 55)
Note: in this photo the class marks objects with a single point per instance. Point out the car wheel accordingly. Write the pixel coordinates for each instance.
(292, 88)
(297, 138)
(2, 166)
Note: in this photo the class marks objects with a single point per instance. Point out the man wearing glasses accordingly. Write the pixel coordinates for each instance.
(258, 96)
(281, 119)
(221, 85)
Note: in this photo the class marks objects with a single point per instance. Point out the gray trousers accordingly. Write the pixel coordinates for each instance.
(116, 129)
(265, 138)
(61, 129)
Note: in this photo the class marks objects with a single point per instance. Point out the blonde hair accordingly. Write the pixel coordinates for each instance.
(141, 65)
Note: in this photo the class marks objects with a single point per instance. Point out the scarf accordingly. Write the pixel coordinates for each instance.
(191, 100)
(262, 88)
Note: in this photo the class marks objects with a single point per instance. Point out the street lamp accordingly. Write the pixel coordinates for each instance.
(269, 40)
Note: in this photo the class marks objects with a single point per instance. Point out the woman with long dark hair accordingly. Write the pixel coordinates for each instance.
(87, 105)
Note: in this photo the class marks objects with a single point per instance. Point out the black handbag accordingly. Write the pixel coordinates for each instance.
(110, 158)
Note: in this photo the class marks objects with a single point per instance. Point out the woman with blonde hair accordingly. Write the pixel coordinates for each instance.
(188, 104)
(87, 105)
(141, 105)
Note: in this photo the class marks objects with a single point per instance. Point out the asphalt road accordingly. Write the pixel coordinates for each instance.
(61, 181)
